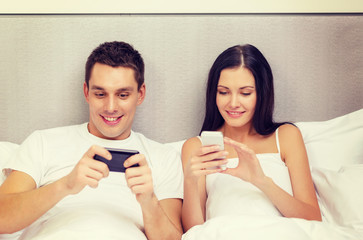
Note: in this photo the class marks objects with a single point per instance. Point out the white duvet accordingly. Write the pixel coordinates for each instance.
(268, 227)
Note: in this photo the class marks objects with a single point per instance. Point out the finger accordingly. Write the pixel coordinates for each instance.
(98, 166)
(94, 174)
(232, 143)
(140, 180)
(135, 159)
(239, 147)
(214, 156)
(93, 183)
(204, 150)
(142, 188)
(101, 151)
(214, 163)
(137, 171)
(84, 180)
(208, 171)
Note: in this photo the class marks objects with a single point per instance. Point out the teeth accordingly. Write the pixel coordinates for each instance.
(234, 113)
(110, 119)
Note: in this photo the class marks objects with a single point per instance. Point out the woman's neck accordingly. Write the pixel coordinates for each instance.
(239, 134)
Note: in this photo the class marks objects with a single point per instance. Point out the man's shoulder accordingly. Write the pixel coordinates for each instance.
(61, 129)
(59, 133)
(153, 146)
(147, 141)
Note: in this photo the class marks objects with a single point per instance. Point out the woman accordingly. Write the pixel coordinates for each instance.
(271, 175)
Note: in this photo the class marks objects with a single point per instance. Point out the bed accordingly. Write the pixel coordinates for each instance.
(335, 150)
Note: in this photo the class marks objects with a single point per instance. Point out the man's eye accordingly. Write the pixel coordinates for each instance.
(123, 95)
(99, 94)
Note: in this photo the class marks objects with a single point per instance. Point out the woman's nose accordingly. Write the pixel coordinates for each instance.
(234, 101)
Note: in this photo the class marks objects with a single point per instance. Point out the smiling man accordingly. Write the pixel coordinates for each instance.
(56, 189)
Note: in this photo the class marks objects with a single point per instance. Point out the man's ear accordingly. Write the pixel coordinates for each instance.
(85, 91)
(141, 94)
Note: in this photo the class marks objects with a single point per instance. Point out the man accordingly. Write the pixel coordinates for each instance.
(56, 189)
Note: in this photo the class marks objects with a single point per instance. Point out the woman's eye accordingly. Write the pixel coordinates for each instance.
(246, 94)
(222, 92)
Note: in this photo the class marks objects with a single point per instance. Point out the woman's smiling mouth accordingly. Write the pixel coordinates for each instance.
(235, 114)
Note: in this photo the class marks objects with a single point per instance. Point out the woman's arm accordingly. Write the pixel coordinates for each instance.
(196, 161)
(303, 203)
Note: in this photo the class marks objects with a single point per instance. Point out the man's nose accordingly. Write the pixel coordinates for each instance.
(111, 104)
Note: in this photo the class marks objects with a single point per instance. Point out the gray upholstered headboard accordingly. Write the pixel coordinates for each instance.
(316, 60)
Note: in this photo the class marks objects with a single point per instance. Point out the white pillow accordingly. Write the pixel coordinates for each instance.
(341, 195)
(6, 150)
(334, 143)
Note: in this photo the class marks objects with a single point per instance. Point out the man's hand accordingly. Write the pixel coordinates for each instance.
(139, 179)
(87, 171)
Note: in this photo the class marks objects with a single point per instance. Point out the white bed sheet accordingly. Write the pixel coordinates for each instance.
(271, 228)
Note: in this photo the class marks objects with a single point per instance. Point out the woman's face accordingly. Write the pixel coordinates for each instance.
(236, 96)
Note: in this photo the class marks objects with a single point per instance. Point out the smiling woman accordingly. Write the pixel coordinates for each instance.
(272, 160)
(231, 94)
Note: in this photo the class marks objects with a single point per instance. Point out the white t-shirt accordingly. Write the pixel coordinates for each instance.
(109, 211)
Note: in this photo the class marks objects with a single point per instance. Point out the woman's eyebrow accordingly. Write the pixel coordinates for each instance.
(239, 88)
(247, 87)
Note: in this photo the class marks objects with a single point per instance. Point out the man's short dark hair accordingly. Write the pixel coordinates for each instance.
(117, 54)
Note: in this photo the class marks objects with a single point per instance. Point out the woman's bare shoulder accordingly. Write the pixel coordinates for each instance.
(192, 143)
(287, 131)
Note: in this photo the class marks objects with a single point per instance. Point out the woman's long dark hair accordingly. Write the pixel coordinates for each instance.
(251, 58)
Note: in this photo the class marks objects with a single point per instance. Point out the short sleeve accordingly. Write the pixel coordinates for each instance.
(168, 175)
(28, 158)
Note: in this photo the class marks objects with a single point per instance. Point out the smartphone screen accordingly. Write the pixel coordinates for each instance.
(119, 156)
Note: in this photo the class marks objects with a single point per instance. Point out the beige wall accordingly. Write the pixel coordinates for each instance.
(316, 60)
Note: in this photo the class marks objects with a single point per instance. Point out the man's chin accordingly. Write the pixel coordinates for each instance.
(116, 135)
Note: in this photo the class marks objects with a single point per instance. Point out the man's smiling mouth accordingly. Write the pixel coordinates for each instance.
(111, 120)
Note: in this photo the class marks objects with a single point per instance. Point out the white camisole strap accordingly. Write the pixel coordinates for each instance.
(277, 140)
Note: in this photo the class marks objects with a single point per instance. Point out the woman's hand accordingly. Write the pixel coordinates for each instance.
(249, 168)
(206, 160)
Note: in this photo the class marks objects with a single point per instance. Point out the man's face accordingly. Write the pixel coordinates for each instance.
(112, 97)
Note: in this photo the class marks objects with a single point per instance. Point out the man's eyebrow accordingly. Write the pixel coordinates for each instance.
(125, 89)
(95, 87)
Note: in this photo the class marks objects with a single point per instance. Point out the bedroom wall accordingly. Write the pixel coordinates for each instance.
(316, 60)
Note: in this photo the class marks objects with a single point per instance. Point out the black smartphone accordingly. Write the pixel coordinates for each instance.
(119, 156)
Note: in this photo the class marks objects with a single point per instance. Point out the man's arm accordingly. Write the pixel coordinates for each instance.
(162, 219)
(21, 203)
